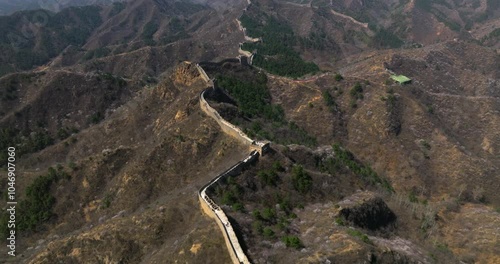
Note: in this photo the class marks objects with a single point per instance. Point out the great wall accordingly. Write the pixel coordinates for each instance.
(244, 53)
(208, 206)
(257, 148)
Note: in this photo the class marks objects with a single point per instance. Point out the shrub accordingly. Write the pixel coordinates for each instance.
(412, 197)
(360, 235)
(391, 101)
(62, 133)
(344, 158)
(328, 98)
(258, 227)
(339, 221)
(36, 208)
(357, 91)
(430, 109)
(442, 247)
(106, 202)
(96, 117)
(228, 198)
(268, 214)
(238, 207)
(72, 165)
(354, 104)
(292, 241)
(338, 77)
(425, 144)
(268, 177)
(302, 182)
(278, 167)
(149, 30)
(256, 214)
(268, 232)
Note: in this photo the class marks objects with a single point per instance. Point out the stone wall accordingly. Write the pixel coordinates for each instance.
(208, 206)
(203, 74)
(244, 52)
(211, 209)
(227, 127)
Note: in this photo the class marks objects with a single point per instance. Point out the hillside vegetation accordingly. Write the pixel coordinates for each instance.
(276, 52)
(112, 146)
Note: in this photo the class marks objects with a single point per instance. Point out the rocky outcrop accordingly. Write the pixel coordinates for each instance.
(366, 210)
(185, 73)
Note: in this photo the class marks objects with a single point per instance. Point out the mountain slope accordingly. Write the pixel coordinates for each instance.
(109, 132)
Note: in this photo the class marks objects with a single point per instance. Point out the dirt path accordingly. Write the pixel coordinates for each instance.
(365, 25)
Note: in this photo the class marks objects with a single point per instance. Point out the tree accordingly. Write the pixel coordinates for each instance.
(292, 241)
(302, 182)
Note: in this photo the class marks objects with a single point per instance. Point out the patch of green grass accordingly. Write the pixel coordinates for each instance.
(360, 235)
(339, 221)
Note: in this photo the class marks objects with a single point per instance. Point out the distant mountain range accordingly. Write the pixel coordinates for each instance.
(9, 6)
